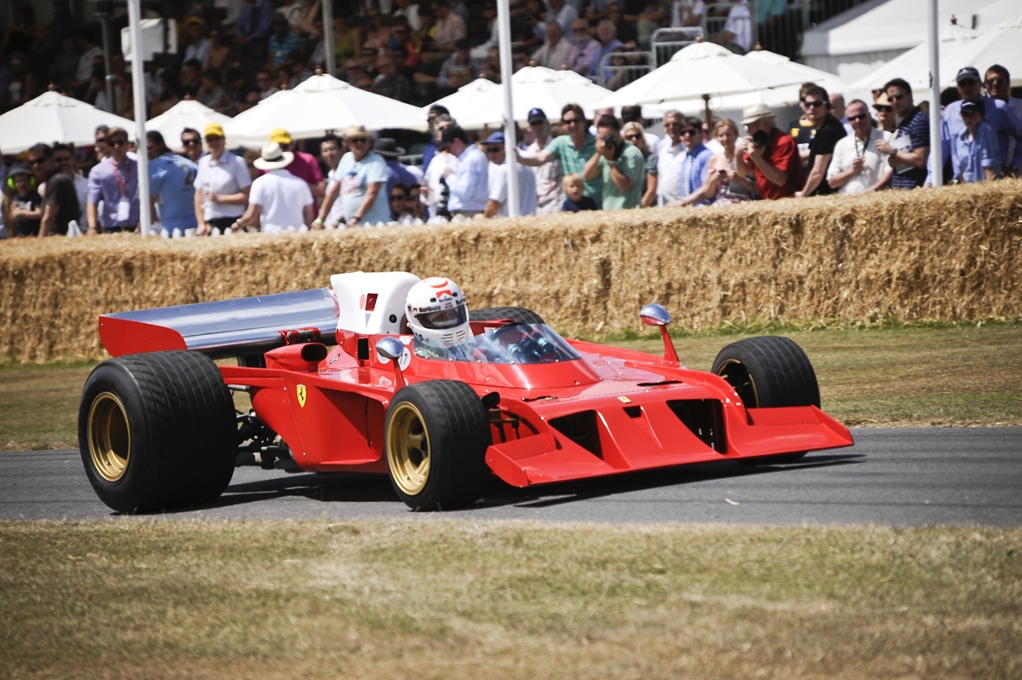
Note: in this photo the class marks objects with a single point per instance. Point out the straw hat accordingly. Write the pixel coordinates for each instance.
(356, 131)
(750, 114)
(273, 158)
(882, 100)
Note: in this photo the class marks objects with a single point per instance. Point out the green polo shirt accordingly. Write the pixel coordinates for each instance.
(633, 165)
(574, 160)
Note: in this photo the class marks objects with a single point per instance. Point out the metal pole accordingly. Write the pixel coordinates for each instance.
(504, 34)
(138, 87)
(936, 161)
(108, 62)
(328, 37)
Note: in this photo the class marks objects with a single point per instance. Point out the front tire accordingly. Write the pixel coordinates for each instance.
(437, 433)
(157, 431)
(768, 372)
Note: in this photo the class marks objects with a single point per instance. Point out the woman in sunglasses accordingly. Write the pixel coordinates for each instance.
(399, 211)
(633, 132)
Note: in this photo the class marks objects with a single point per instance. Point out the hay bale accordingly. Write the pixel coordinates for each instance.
(944, 255)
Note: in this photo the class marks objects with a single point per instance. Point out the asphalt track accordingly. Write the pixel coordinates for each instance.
(898, 477)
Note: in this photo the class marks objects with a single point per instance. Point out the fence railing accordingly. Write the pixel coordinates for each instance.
(617, 69)
(666, 41)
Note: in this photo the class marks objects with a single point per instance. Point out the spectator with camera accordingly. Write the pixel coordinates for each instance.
(771, 154)
(828, 130)
(621, 165)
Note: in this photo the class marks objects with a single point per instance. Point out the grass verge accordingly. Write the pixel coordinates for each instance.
(891, 375)
(467, 599)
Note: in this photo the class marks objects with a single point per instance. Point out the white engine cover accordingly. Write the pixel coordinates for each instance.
(367, 301)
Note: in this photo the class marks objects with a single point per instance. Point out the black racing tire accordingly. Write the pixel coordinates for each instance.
(517, 314)
(157, 431)
(767, 372)
(437, 433)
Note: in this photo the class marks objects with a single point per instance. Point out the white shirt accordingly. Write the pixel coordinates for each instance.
(469, 184)
(229, 175)
(434, 173)
(739, 22)
(198, 50)
(85, 64)
(874, 163)
(670, 157)
(497, 187)
(411, 14)
(549, 176)
(282, 197)
(697, 7)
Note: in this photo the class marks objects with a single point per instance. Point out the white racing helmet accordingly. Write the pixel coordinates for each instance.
(437, 313)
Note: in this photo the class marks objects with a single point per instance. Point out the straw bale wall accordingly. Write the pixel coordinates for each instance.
(943, 255)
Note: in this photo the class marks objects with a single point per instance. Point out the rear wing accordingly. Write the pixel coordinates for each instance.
(230, 328)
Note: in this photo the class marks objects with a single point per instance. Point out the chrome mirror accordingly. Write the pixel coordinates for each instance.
(389, 348)
(655, 314)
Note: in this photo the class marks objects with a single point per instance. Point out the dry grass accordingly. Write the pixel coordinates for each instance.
(946, 255)
(466, 599)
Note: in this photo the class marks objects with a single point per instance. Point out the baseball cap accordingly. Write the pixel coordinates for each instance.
(214, 129)
(495, 138)
(973, 105)
(537, 116)
(967, 73)
(280, 136)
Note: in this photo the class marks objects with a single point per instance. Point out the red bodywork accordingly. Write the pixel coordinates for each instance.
(614, 410)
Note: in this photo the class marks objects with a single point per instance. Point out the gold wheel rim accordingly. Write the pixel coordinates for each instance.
(408, 449)
(721, 370)
(109, 437)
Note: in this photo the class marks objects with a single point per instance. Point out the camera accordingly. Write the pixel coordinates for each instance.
(760, 139)
(609, 141)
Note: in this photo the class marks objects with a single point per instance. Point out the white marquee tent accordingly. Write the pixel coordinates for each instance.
(52, 117)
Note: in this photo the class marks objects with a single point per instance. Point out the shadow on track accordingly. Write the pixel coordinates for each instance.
(365, 488)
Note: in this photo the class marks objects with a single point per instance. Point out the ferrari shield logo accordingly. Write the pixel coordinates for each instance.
(623, 400)
(302, 393)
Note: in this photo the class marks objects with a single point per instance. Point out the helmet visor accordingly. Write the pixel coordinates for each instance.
(445, 318)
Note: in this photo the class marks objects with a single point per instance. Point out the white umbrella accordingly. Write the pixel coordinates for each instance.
(186, 114)
(321, 104)
(476, 105)
(1001, 45)
(52, 117)
(914, 65)
(775, 98)
(699, 70)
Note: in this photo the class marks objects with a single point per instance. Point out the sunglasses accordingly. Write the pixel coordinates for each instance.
(37, 161)
(884, 109)
(571, 121)
(852, 119)
(994, 81)
(813, 104)
(213, 138)
(191, 142)
(358, 140)
(398, 197)
(118, 142)
(895, 97)
(635, 136)
(967, 82)
(493, 149)
(690, 131)
(62, 159)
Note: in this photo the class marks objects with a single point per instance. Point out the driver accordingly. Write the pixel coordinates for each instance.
(438, 318)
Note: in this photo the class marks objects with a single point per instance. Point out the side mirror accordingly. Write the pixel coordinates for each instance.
(389, 348)
(655, 314)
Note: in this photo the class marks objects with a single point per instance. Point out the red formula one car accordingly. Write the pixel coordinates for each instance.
(497, 393)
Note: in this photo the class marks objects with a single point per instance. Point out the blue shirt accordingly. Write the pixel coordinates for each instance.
(397, 173)
(1001, 119)
(110, 183)
(693, 169)
(970, 156)
(356, 176)
(469, 185)
(172, 178)
(254, 21)
(280, 48)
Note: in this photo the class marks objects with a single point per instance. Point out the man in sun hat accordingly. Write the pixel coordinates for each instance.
(279, 201)
(304, 166)
(222, 184)
(363, 175)
(771, 153)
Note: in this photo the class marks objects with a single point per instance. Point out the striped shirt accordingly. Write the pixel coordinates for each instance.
(916, 126)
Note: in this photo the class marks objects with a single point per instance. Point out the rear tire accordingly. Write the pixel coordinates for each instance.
(768, 372)
(437, 433)
(157, 431)
(517, 314)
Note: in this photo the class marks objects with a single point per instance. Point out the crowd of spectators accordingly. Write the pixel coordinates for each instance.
(417, 51)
